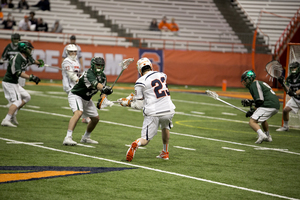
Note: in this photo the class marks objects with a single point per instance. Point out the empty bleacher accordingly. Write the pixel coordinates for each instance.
(271, 16)
(199, 21)
(73, 20)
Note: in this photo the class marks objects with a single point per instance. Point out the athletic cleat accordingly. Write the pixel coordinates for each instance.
(88, 140)
(261, 139)
(68, 141)
(86, 120)
(105, 103)
(283, 129)
(268, 139)
(7, 123)
(163, 155)
(14, 120)
(131, 151)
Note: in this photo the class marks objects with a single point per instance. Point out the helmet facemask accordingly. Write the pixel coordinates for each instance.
(25, 47)
(98, 65)
(15, 38)
(247, 78)
(294, 69)
(71, 51)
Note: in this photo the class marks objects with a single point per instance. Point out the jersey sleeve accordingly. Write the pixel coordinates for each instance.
(64, 54)
(5, 53)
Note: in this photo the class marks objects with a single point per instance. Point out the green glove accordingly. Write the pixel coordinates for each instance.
(41, 63)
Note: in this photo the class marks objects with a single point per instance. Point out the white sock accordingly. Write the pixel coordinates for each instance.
(87, 134)
(7, 117)
(285, 123)
(138, 142)
(260, 132)
(166, 146)
(69, 133)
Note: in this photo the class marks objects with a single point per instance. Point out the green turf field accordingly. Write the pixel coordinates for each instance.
(212, 153)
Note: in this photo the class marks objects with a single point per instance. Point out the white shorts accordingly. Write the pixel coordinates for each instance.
(262, 114)
(294, 104)
(15, 93)
(152, 123)
(88, 108)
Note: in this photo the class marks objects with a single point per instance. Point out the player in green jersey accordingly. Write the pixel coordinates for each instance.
(10, 51)
(80, 100)
(266, 105)
(14, 93)
(293, 90)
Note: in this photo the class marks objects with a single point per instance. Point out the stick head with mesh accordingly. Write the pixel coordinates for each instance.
(212, 94)
(124, 64)
(274, 69)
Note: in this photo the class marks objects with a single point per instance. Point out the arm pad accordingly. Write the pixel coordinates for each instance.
(138, 104)
(72, 76)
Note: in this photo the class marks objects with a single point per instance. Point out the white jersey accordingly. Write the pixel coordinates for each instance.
(69, 65)
(152, 87)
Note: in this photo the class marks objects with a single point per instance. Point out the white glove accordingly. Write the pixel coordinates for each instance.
(130, 97)
(105, 102)
(124, 102)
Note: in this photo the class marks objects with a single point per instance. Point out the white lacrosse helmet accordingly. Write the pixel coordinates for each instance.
(71, 47)
(142, 63)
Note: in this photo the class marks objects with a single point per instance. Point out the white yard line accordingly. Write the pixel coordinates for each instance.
(185, 148)
(232, 149)
(153, 169)
(231, 114)
(174, 133)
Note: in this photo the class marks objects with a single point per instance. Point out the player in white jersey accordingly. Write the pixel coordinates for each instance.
(70, 71)
(153, 96)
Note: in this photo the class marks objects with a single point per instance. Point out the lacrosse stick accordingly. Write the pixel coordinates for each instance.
(124, 64)
(216, 97)
(45, 65)
(274, 70)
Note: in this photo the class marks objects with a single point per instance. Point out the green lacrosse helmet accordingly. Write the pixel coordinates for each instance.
(98, 65)
(15, 38)
(25, 47)
(248, 77)
(294, 68)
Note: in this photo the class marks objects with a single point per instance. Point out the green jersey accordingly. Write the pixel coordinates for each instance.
(10, 51)
(86, 87)
(16, 66)
(294, 84)
(263, 92)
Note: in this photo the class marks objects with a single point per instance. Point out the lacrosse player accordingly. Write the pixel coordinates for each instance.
(14, 93)
(266, 105)
(79, 56)
(80, 100)
(293, 82)
(152, 95)
(10, 51)
(70, 71)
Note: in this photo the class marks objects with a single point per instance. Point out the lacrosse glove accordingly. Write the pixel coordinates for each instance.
(41, 63)
(250, 113)
(291, 93)
(247, 102)
(34, 79)
(281, 80)
(107, 90)
(124, 102)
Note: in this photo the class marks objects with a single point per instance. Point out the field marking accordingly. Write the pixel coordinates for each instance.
(174, 133)
(84, 145)
(153, 169)
(185, 148)
(231, 114)
(232, 149)
(199, 113)
(17, 142)
(30, 106)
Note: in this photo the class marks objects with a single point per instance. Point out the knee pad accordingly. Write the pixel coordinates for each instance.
(17, 103)
(26, 98)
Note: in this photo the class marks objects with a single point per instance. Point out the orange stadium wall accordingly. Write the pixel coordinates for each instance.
(198, 68)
